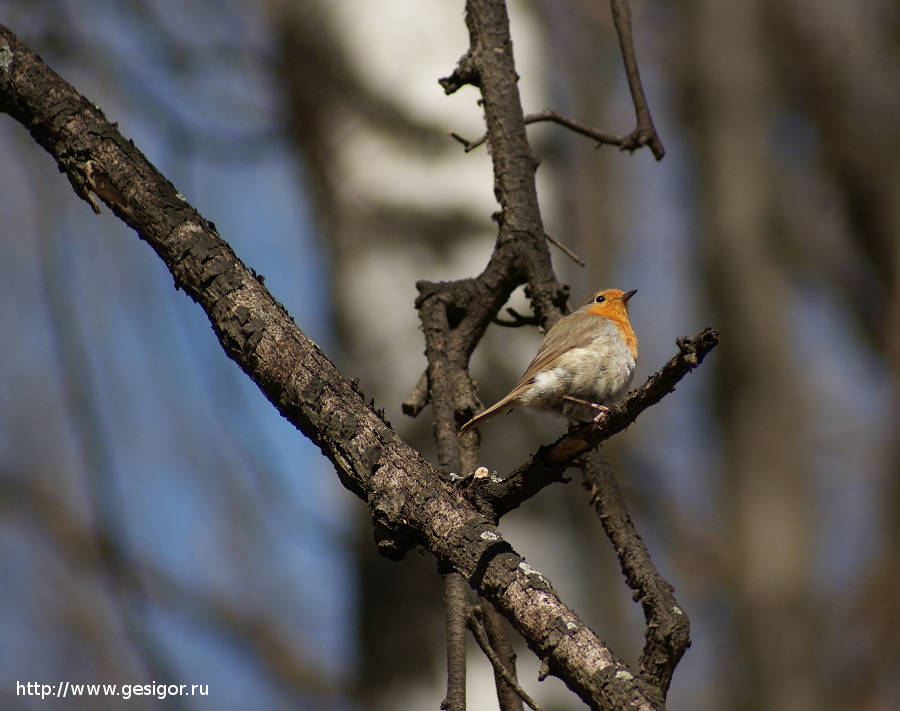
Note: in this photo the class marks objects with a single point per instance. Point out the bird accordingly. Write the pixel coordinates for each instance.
(585, 363)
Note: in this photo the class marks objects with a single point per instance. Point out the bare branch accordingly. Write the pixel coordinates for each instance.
(581, 128)
(494, 498)
(457, 605)
(644, 133)
(479, 632)
(497, 631)
(641, 136)
(418, 397)
(468, 145)
(568, 252)
(518, 320)
(668, 627)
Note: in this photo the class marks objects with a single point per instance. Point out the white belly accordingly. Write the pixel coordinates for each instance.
(597, 375)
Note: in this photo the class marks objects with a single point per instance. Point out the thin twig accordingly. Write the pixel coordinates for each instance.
(481, 638)
(550, 115)
(577, 127)
(644, 133)
(468, 145)
(518, 320)
(575, 258)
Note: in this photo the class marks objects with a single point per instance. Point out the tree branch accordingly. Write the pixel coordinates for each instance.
(496, 497)
(494, 642)
(457, 605)
(418, 397)
(410, 501)
(644, 133)
(630, 142)
(668, 627)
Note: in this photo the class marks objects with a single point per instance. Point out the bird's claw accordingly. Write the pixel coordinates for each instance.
(602, 409)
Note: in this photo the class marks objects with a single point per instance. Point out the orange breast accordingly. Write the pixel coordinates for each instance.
(619, 316)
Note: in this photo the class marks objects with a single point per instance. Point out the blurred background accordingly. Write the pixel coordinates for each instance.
(159, 521)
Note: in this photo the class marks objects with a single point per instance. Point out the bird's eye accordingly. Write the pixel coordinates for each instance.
(600, 299)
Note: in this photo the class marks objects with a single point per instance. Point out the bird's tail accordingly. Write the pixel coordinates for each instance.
(504, 404)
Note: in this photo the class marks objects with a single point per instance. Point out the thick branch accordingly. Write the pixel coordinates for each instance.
(668, 626)
(410, 501)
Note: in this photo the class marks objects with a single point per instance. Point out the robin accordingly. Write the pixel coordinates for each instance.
(585, 362)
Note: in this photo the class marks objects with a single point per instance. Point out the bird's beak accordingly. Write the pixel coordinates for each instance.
(627, 295)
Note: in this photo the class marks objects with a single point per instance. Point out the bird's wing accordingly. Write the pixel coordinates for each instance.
(588, 328)
(579, 330)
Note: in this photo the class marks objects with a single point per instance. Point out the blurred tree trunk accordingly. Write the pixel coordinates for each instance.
(767, 515)
(841, 65)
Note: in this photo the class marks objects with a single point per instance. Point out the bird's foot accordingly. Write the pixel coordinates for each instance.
(601, 409)
(600, 415)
